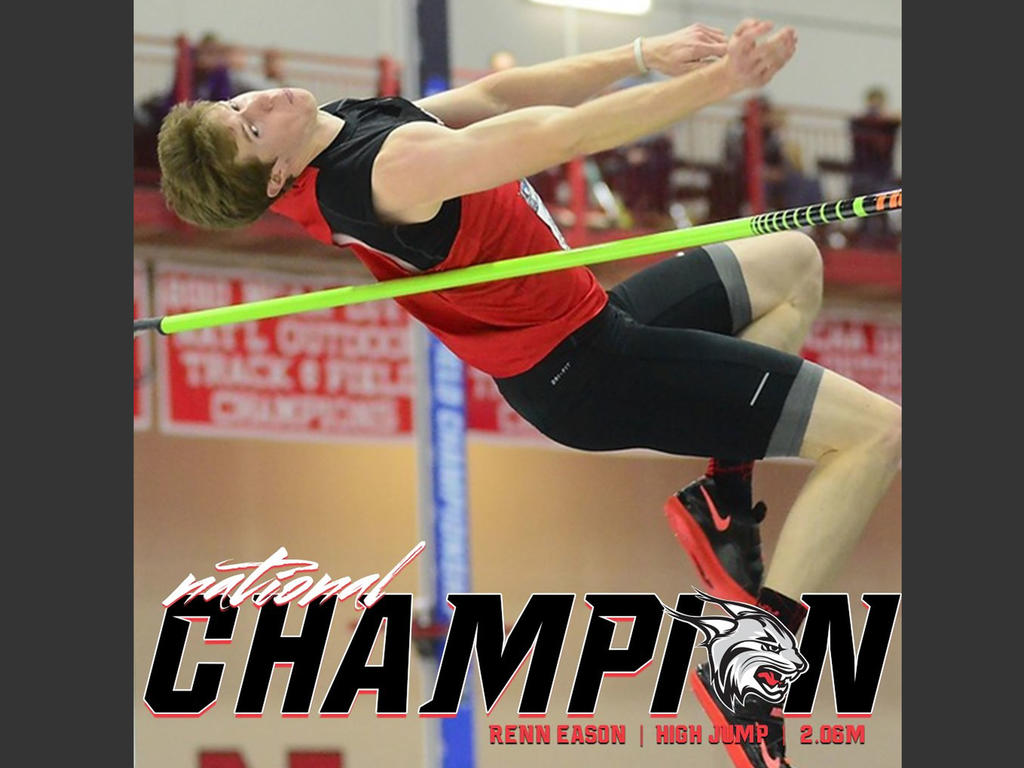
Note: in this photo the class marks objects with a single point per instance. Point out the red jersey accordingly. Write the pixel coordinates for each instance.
(502, 327)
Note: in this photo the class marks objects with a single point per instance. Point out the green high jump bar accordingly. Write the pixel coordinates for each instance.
(677, 239)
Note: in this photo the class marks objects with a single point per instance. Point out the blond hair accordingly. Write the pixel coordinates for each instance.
(200, 180)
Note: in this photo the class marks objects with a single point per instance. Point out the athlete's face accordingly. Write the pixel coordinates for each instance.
(272, 126)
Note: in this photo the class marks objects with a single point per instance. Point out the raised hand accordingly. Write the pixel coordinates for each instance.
(752, 63)
(683, 50)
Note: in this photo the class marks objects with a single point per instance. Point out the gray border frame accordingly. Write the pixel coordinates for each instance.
(69, 506)
(947, 332)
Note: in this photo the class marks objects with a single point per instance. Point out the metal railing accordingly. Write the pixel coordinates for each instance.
(328, 77)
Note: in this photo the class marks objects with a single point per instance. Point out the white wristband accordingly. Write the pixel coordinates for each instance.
(638, 54)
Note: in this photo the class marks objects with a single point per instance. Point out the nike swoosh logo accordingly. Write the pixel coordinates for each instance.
(771, 762)
(721, 523)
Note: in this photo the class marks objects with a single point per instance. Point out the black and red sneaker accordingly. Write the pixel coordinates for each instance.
(722, 540)
(763, 746)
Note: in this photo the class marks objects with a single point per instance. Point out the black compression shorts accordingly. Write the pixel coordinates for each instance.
(659, 368)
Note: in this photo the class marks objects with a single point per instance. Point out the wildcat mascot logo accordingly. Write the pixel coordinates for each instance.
(750, 652)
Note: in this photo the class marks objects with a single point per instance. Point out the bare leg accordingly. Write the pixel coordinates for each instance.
(783, 276)
(855, 437)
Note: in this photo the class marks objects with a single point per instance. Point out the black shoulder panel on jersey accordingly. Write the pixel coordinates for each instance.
(344, 184)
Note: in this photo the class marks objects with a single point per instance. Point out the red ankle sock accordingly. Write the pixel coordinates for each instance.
(725, 469)
(790, 612)
(733, 479)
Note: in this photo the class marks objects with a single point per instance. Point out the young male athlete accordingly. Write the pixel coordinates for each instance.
(693, 356)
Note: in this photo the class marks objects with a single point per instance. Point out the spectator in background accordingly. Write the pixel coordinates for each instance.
(219, 72)
(786, 185)
(211, 73)
(240, 80)
(874, 143)
(273, 66)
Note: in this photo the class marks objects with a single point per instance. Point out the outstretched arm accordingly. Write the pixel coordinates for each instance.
(571, 81)
(422, 164)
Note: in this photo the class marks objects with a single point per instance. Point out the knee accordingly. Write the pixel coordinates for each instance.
(864, 424)
(809, 270)
(801, 259)
(887, 437)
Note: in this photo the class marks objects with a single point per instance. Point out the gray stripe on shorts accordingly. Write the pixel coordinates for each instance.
(728, 268)
(788, 435)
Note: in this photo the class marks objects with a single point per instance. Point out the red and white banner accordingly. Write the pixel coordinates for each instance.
(864, 346)
(332, 374)
(142, 353)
